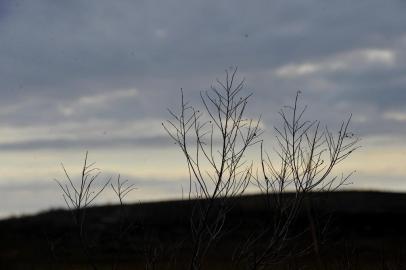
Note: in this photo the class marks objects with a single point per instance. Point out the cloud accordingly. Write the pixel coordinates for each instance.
(297, 70)
(395, 116)
(101, 74)
(97, 101)
(362, 59)
(84, 143)
(106, 98)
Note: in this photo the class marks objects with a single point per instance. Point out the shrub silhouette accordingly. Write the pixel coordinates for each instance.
(307, 157)
(227, 173)
(214, 142)
(79, 196)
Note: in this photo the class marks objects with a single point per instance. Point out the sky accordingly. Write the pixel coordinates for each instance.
(99, 75)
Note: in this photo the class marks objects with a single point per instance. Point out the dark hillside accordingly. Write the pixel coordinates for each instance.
(363, 230)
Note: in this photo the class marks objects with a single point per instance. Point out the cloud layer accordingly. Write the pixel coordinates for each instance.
(97, 75)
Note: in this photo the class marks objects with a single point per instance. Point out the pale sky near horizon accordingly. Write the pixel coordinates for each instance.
(99, 75)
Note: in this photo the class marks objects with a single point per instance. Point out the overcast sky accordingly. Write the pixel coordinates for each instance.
(100, 75)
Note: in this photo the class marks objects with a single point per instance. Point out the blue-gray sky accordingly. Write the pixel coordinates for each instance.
(99, 75)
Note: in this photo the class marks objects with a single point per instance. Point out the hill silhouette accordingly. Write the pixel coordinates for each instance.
(356, 230)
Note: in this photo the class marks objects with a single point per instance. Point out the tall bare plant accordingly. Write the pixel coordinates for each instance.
(214, 144)
(307, 155)
(121, 189)
(78, 196)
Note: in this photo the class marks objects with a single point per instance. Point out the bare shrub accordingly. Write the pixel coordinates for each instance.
(307, 155)
(214, 144)
(121, 189)
(79, 195)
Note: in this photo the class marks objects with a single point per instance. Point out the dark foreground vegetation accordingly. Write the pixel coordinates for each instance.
(218, 226)
(341, 230)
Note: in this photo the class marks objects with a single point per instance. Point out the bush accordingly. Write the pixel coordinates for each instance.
(214, 142)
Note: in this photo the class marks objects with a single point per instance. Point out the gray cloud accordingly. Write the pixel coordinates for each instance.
(59, 50)
(55, 53)
(71, 70)
(92, 143)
